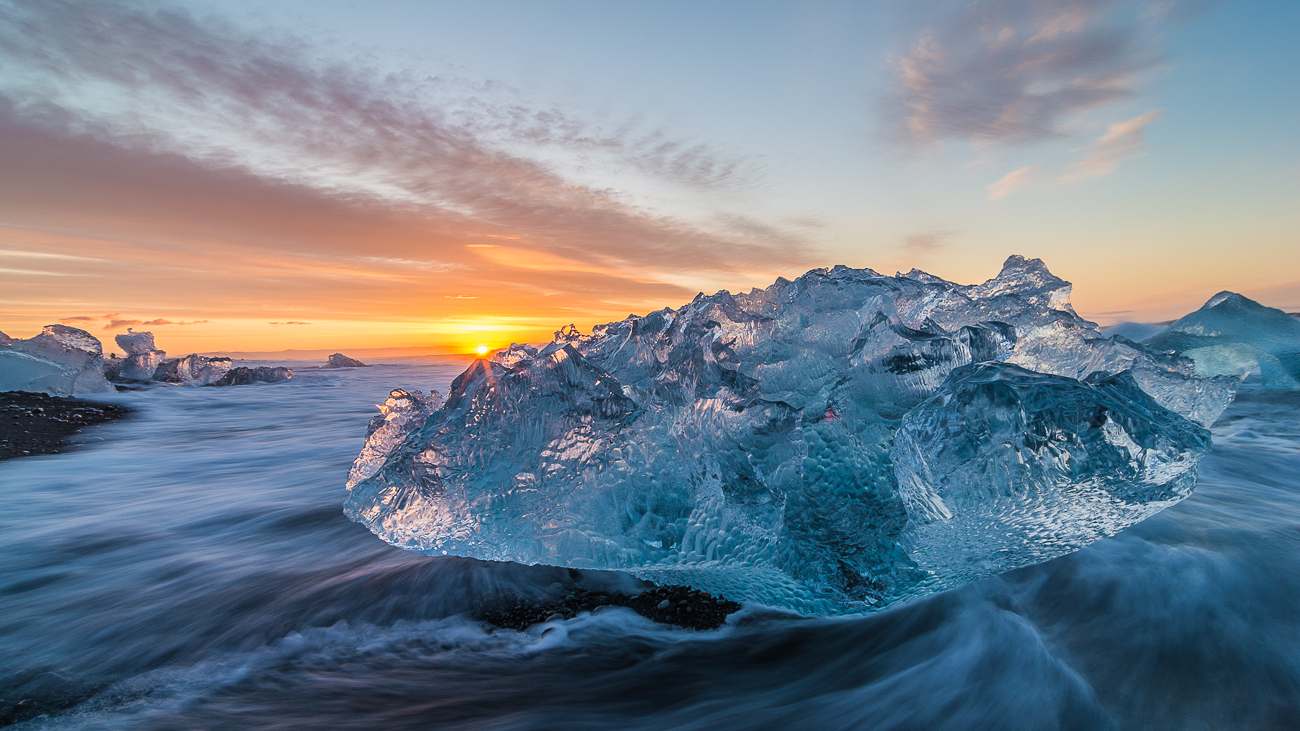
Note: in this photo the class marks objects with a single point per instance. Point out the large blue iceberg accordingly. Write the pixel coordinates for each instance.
(831, 444)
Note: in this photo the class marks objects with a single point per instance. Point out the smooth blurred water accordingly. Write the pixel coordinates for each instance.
(194, 570)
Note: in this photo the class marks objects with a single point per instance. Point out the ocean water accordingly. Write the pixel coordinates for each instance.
(191, 568)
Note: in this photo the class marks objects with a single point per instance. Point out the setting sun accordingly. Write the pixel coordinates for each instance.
(481, 350)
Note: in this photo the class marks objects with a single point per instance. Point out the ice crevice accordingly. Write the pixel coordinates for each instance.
(830, 444)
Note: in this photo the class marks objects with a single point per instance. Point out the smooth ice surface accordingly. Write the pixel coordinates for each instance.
(1003, 467)
(742, 444)
(1235, 336)
(61, 361)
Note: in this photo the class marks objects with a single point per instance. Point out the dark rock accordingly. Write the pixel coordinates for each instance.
(37, 423)
(113, 367)
(681, 606)
(242, 376)
(339, 360)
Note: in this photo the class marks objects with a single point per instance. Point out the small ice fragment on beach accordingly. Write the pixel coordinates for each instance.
(192, 370)
(142, 359)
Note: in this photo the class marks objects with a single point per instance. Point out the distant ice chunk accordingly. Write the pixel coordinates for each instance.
(244, 376)
(61, 361)
(339, 360)
(1004, 467)
(743, 443)
(144, 362)
(142, 359)
(1231, 335)
(192, 370)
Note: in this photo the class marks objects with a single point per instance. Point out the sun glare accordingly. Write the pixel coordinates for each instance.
(481, 350)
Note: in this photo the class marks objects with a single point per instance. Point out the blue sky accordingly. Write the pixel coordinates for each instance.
(490, 169)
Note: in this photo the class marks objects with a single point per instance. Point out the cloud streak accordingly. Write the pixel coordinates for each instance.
(117, 324)
(1013, 181)
(926, 242)
(1122, 141)
(159, 82)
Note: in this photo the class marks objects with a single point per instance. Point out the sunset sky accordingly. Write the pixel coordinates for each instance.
(254, 176)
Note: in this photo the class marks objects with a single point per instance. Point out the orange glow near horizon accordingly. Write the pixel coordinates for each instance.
(183, 190)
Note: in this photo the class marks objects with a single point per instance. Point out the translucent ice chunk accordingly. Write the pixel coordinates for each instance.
(1234, 336)
(141, 366)
(192, 370)
(402, 413)
(1004, 467)
(142, 359)
(134, 343)
(742, 443)
(21, 371)
(61, 360)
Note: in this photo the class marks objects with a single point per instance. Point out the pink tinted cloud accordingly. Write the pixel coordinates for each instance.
(175, 208)
(119, 324)
(226, 97)
(1122, 141)
(1013, 181)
